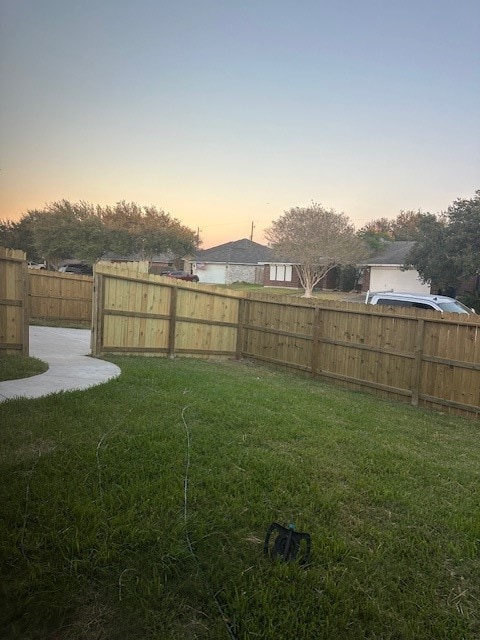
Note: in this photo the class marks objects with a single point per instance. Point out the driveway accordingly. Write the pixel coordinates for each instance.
(70, 367)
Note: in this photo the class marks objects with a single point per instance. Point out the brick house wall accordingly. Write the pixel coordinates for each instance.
(292, 280)
(365, 280)
(240, 273)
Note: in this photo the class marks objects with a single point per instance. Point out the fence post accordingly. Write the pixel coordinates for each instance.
(98, 314)
(14, 302)
(173, 322)
(417, 363)
(26, 309)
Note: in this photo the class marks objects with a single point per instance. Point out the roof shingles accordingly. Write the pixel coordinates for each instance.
(393, 253)
(239, 252)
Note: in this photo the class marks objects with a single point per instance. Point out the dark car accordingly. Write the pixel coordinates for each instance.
(81, 269)
(183, 275)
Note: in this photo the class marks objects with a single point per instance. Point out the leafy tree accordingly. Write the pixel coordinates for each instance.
(464, 234)
(7, 237)
(19, 235)
(66, 230)
(380, 226)
(315, 240)
(404, 227)
(375, 233)
(121, 222)
(85, 231)
(348, 277)
(429, 255)
(448, 246)
(372, 239)
(146, 231)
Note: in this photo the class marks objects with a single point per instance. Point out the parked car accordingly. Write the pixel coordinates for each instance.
(183, 275)
(417, 301)
(37, 265)
(78, 268)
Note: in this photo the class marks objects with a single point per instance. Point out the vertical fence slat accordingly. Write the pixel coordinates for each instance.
(26, 309)
(240, 328)
(173, 322)
(317, 330)
(417, 366)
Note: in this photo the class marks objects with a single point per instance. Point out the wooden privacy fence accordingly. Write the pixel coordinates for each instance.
(148, 314)
(68, 296)
(60, 296)
(419, 356)
(14, 311)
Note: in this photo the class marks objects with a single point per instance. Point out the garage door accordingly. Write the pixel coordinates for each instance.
(386, 278)
(212, 274)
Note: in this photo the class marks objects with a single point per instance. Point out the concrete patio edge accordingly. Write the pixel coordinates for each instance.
(66, 351)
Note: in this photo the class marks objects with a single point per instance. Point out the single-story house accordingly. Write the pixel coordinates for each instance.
(248, 261)
(385, 271)
(238, 261)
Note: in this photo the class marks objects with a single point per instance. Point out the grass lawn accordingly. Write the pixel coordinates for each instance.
(101, 538)
(289, 291)
(15, 367)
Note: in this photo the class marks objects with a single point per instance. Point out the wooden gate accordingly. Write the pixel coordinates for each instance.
(14, 312)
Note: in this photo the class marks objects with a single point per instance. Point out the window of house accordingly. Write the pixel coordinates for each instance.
(281, 272)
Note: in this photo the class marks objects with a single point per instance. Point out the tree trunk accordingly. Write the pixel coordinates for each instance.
(308, 292)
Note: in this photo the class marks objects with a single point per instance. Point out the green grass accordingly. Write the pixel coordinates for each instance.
(14, 367)
(286, 291)
(94, 541)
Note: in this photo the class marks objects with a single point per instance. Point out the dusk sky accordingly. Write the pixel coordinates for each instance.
(228, 113)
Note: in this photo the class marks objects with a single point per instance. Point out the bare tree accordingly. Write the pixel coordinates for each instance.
(314, 240)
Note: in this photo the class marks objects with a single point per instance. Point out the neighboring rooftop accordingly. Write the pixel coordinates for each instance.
(239, 252)
(393, 253)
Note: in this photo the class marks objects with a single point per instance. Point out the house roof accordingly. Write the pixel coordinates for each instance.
(392, 253)
(238, 252)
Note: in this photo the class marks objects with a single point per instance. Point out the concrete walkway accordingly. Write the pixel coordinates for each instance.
(66, 352)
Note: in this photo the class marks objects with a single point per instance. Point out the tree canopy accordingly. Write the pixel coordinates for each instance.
(315, 240)
(448, 246)
(85, 231)
(404, 227)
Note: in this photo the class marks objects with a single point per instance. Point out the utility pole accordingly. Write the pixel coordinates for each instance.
(251, 232)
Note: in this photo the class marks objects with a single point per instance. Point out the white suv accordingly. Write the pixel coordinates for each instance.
(417, 301)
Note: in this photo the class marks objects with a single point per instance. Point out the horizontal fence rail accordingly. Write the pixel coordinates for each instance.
(14, 312)
(421, 357)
